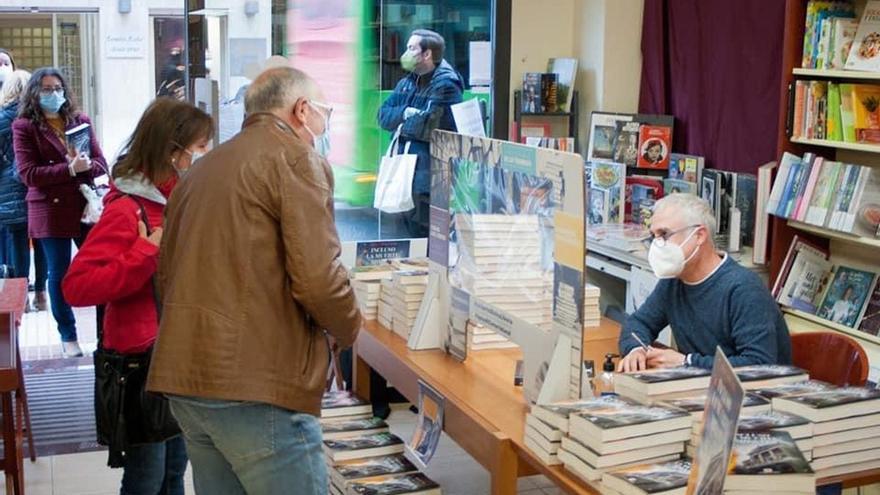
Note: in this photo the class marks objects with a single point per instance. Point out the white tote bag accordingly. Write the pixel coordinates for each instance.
(394, 184)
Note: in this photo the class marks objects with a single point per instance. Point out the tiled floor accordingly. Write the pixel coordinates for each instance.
(87, 474)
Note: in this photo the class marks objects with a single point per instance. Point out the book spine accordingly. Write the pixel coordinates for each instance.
(797, 127)
(803, 202)
(787, 197)
(847, 120)
(778, 185)
(832, 119)
(850, 216)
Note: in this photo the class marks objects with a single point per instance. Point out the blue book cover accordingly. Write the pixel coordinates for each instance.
(799, 184)
(789, 184)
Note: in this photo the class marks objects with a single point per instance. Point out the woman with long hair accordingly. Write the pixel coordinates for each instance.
(53, 171)
(116, 264)
(7, 65)
(13, 209)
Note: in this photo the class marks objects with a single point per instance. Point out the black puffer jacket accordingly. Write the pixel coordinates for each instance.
(13, 208)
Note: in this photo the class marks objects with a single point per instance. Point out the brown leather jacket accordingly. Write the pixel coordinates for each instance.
(249, 274)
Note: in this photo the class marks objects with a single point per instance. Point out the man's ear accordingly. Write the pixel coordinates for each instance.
(429, 55)
(298, 111)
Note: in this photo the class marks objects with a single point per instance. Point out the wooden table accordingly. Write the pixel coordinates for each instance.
(485, 413)
(13, 295)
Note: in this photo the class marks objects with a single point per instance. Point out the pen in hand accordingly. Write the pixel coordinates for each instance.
(645, 347)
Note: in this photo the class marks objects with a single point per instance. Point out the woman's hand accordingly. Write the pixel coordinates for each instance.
(79, 163)
(155, 237)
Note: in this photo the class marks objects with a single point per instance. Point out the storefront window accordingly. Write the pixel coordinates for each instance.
(352, 48)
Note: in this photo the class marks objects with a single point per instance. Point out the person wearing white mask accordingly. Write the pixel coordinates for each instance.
(7, 65)
(705, 296)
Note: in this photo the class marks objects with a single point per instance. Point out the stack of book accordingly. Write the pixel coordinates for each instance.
(836, 415)
(696, 405)
(395, 484)
(666, 478)
(592, 313)
(766, 463)
(343, 405)
(610, 433)
(547, 424)
(407, 294)
(769, 375)
(346, 473)
(796, 388)
(501, 263)
(367, 293)
(385, 306)
(482, 338)
(654, 385)
(800, 429)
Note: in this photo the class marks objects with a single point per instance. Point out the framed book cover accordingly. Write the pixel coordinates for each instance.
(531, 93)
(626, 143)
(609, 182)
(655, 141)
(604, 128)
(847, 295)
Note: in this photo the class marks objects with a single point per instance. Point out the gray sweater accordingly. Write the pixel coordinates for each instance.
(732, 308)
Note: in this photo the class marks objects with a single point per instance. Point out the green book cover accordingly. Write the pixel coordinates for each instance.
(847, 118)
(833, 117)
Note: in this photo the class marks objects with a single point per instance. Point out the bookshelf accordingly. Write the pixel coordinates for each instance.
(846, 249)
(841, 145)
(837, 74)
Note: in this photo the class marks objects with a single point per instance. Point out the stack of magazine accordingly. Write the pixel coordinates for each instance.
(363, 457)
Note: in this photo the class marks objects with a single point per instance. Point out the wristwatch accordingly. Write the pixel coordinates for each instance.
(687, 359)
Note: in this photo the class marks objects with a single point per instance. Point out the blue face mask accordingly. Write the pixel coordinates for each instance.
(53, 101)
(322, 141)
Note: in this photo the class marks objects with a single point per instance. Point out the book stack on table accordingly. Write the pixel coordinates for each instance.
(408, 290)
(500, 264)
(362, 456)
(607, 433)
(385, 306)
(766, 463)
(368, 292)
(592, 313)
(482, 338)
(666, 478)
(800, 429)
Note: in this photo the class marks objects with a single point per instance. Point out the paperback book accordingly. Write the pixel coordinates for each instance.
(79, 138)
(566, 73)
(767, 375)
(769, 461)
(347, 471)
(796, 388)
(847, 295)
(611, 418)
(832, 404)
(666, 478)
(347, 428)
(396, 484)
(655, 141)
(865, 51)
(379, 444)
(870, 323)
(607, 193)
(531, 93)
(343, 403)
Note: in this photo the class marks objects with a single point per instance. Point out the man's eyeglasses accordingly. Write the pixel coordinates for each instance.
(664, 237)
(46, 91)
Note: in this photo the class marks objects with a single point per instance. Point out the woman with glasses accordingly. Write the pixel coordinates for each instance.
(53, 171)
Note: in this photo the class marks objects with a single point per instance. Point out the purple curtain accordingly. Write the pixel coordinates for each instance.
(716, 65)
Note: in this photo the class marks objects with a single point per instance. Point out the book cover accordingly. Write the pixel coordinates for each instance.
(848, 217)
(531, 93)
(549, 93)
(846, 295)
(803, 202)
(399, 484)
(654, 478)
(686, 167)
(598, 209)
(746, 192)
(843, 34)
(626, 143)
(835, 397)
(762, 220)
(800, 100)
(346, 426)
(566, 74)
(866, 117)
(865, 51)
(785, 165)
(769, 420)
(712, 189)
(79, 138)
(819, 113)
(341, 399)
(798, 244)
(603, 135)
(378, 252)
(609, 178)
(870, 322)
(661, 375)
(866, 219)
(609, 412)
(796, 388)
(672, 186)
(767, 453)
(822, 49)
(364, 442)
(795, 190)
(698, 402)
(834, 130)
(655, 144)
(639, 188)
(823, 193)
(844, 196)
(847, 117)
(374, 466)
(809, 286)
(760, 372)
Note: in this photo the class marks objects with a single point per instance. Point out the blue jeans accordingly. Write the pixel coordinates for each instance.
(155, 468)
(57, 251)
(248, 447)
(15, 249)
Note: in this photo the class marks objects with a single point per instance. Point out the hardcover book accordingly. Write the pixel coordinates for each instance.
(795, 388)
(379, 444)
(626, 143)
(79, 138)
(566, 73)
(607, 193)
(372, 466)
(343, 403)
(865, 51)
(655, 141)
(531, 93)
(604, 128)
(760, 458)
(398, 484)
(666, 478)
(866, 111)
(549, 93)
(345, 428)
(831, 404)
(745, 192)
(611, 418)
(870, 322)
(846, 295)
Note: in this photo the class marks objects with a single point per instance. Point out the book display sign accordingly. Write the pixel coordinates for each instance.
(507, 240)
(429, 425)
(721, 416)
(376, 252)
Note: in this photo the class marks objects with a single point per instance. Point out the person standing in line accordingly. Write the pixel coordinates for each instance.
(13, 209)
(53, 174)
(419, 104)
(7, 65)
(116, 264)
(254, 296)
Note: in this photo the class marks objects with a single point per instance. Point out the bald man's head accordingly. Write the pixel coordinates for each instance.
(292, 96)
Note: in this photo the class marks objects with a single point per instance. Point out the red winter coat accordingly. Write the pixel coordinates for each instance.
(55, 203)
(115, 266)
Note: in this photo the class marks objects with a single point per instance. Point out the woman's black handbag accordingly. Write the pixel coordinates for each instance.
(125, 413)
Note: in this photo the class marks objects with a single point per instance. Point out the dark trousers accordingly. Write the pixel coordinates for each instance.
(15, 252)
(155, 468)
(58, 251)
(418, 220)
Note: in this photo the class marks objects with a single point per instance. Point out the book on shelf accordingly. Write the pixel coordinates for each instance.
(769, 462)
(660, 381)
(604, 130)
(798, 244)
(667, 478)
(610, 418)
(395, 484)
(870, 322)
(865, 50)
(684, 167)
(805, 281)
(712, 189)
(640, 188)
(672, 186)
(554, 143)
(768, 375)
(606, 197)
(745, 194)
(866, 114)
(822, 194)
(531, 93)
(843, 33)
(566, 74)
(378, 444)
(821, 14)
(549, 92)
(343, 403)
(762, 220)
(626, 143)
(347, 428)
(831, 405)
(847, 113)
(347, 471)
(786, 164)
(846, 296)
(833, 117)
(655, 141)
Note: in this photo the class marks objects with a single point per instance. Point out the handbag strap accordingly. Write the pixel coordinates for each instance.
(395, 139)
(146, 220)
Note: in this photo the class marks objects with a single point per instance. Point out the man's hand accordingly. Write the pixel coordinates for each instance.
(155, 237)
(664, 358)
(636, 360)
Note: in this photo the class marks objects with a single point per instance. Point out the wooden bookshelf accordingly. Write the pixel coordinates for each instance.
(837, 74)
(833, 234)
(841, 145)
(830, 324)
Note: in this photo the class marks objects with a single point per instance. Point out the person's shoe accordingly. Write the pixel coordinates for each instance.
(71, 349)
(41, 302)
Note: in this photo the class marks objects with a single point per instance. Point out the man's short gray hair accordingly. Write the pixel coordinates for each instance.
(693, 209)
(278, 88)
